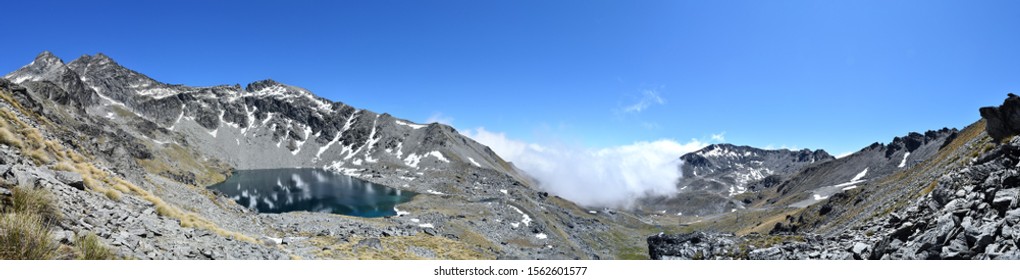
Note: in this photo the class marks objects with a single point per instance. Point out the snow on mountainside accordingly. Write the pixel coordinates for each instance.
(724, 178)
(276, 125)
(171, 140)
(715, 176)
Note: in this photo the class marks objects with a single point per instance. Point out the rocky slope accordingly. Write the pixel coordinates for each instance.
(818, 182)
(146, 149)
(726, 178)
(960, 203)
(713, 177)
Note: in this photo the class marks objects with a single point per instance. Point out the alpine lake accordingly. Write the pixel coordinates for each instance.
(312, 190)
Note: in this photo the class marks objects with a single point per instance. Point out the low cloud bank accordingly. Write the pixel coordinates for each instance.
(609, 177)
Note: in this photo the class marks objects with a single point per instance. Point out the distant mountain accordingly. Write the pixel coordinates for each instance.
(723, 177)
(714, 176)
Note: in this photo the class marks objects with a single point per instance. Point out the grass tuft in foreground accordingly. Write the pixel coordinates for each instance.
(88, 247)
(24, 236)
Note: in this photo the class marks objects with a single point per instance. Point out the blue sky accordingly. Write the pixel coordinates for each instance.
(837, 75)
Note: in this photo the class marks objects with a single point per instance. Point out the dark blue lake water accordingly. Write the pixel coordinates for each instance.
(313, 190)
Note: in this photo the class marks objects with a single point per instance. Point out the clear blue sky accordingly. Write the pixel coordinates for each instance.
(819, 74)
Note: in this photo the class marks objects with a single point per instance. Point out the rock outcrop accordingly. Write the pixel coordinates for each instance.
(1004, 120)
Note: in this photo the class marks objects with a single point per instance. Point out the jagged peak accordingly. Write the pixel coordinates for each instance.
(727, 146)
(97, 59)
(263, 84)
(47, 55)
(102, 56)
(48, 58)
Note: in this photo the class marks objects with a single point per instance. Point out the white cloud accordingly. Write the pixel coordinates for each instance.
(721, 137)
(440, 118)
(609, 177)
(648, 98)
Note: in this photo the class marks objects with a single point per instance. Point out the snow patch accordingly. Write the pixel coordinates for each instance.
(179, 117)
(473, 162)
(504, 192)
(434, 192)
(541, 236)
(400, 213)
(157, 93)
(412, 126)
(525, 218)
(278, 241)
(370, 143)
(347, 125)
(860, 175)
(426, 226)
(904, 162)
(268, 117)
(719, 152)
(439, 156)
(412, 160)
(308, 132)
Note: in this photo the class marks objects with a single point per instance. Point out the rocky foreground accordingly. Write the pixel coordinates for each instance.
(973, 212)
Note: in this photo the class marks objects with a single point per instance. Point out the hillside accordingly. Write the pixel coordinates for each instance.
(958, 203)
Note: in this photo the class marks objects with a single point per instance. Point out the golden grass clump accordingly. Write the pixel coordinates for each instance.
(112, 194)
(8, 138)
(88, 247)
(35, 201)
(25, 236)
(64, 166)
(34, 138)
(75, 157)
(39, 156)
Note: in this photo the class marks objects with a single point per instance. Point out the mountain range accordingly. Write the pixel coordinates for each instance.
(153, 145)
(126, 159)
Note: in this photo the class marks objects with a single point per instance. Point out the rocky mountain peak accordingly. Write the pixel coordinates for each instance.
(103, 57)
(46, 58)
(96, 63)
(732, 152)
(263, 84)
(45, 66)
